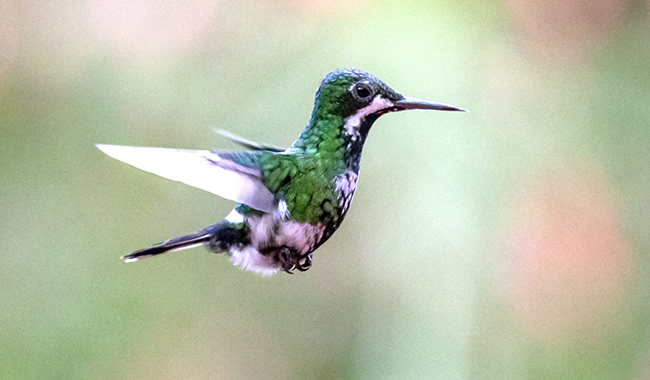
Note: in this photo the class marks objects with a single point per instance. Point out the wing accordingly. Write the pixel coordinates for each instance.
(252, 145)
(203, 169)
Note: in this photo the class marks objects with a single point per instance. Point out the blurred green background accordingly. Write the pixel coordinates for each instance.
(512, 242)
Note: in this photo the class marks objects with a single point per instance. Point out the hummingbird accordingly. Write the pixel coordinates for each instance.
(289, 201)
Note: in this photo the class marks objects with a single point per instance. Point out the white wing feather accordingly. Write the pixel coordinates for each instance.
(200, 169)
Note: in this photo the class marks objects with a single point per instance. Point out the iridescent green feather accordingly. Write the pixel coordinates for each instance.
(305, 178)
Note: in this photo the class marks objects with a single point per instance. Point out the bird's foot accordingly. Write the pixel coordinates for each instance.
(290, 260)
(304, 263)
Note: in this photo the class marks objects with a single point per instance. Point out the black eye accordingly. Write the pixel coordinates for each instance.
(362, 91)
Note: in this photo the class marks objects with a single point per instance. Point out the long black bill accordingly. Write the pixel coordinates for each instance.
(408, 103)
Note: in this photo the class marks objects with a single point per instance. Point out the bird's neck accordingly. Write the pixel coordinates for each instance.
(335, 139)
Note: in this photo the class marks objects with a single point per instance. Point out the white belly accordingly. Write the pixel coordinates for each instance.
(273, 230)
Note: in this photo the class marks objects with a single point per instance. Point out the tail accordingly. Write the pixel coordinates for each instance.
(218, 237)
(176, 244)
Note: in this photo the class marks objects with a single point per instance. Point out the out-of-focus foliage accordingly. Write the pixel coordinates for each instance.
(508, 243)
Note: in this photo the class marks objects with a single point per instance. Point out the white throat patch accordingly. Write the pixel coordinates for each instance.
(353, 122)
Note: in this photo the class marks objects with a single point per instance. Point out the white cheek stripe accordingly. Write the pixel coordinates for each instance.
(353, 122)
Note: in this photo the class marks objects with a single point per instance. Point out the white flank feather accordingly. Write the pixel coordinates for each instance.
(200, 169)
(250, 259)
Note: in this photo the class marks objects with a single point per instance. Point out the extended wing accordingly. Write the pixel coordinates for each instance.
(203, 169)
(252, 145)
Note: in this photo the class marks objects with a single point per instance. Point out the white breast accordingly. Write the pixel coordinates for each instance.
(346, 184)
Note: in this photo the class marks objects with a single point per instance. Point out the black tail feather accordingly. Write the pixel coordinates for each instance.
(183, 242)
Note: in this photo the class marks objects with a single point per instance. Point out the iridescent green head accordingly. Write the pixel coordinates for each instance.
(345, 91)
(348, 102)
(352, 93)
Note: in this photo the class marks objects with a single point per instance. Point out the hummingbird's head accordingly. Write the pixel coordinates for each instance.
(359, 98)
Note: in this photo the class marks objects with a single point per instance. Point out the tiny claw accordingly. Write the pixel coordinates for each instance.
(289, 260)
(304, 263)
